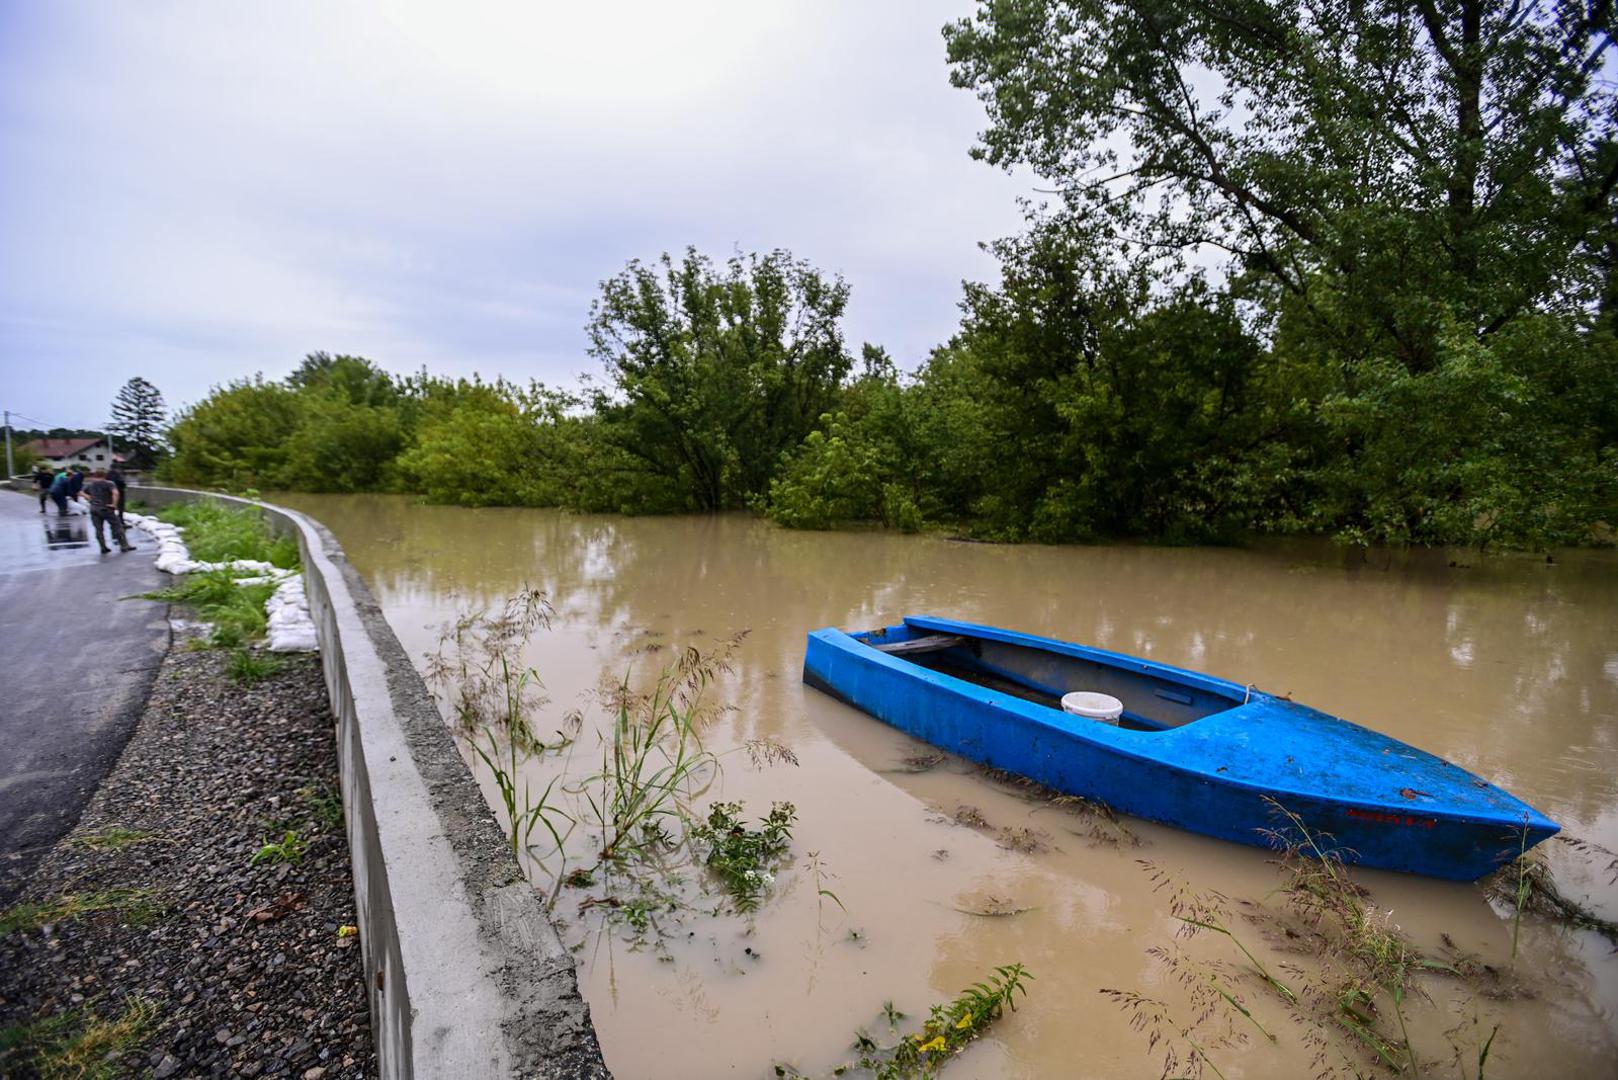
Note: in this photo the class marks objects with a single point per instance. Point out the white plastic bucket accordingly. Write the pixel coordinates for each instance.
(1091, 706)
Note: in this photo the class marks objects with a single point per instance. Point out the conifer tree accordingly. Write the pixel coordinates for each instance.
(137, 420)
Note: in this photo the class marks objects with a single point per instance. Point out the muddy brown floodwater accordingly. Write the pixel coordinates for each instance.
(1508, 666)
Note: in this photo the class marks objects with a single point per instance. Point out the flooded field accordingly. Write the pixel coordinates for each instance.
(911, 878)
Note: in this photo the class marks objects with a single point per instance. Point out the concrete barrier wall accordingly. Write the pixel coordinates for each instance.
(467, 976)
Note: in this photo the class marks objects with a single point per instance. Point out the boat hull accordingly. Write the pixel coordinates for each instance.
(1177, 779)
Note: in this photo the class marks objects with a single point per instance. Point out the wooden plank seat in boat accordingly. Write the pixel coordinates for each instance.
(927, 644)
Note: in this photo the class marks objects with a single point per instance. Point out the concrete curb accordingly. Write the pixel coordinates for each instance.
(467, 976)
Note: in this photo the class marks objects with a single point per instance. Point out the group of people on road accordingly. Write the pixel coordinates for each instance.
(104, 490)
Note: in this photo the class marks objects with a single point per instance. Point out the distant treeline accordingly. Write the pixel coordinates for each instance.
(1059, 412)
(1366, 286)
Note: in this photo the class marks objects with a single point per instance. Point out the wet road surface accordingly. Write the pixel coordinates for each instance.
(77, 665)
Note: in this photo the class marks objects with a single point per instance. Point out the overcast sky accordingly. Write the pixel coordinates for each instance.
(194, 192)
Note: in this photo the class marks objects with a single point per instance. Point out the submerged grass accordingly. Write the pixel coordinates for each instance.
(654, 765)
(638, 807)
(77, 1045)
(478, 669)
(1526, 886)
(524, 816)
(1351, 1001)
(950, 1028)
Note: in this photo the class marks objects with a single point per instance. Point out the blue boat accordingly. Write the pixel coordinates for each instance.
(1185, 749)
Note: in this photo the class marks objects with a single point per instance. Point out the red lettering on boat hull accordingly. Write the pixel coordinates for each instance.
(1389, 818)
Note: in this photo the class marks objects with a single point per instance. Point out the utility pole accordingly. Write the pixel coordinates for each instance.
(9, 469)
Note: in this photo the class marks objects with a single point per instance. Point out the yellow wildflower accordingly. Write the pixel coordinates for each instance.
(937, 1043)
(964, 1023)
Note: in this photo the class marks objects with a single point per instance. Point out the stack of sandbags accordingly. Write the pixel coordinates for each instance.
(291, 628)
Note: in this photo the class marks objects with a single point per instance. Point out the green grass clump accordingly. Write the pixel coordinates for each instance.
(327, 805)
(236, 612)
(247, 666)
(288, 849)
(137, 906)
(218, 533)
(113, 838)
(78, 1044)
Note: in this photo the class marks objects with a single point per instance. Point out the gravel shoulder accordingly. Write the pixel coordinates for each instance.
(216, 957)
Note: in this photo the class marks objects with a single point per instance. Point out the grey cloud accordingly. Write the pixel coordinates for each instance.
(197, 192)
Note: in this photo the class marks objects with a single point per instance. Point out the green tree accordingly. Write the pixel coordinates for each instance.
(862, 464)
(1418, 158)
(353, 379)
(1107, 410)
(1492, 446)
(138, 418)
(340, 446)
(715, 371)
(236, 436)
(1411, 198)
(349, 428)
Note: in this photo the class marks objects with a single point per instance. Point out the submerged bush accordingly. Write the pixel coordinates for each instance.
(742, 857)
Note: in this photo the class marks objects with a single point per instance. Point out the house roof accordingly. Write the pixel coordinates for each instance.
(59, 448)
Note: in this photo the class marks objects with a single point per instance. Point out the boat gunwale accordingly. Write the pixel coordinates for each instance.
(1237, 693)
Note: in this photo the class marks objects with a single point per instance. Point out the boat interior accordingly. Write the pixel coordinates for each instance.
(1151, 702)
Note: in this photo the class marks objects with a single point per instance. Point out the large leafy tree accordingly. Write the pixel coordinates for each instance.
(716, 370)
(237, 435)
(1374, 161)
(349, 428)
(138, 417)
(1415, 203)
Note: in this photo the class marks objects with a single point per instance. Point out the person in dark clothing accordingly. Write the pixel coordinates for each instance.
(42, 481)
(103, 498)
(116, 475)
(61, 487)
(76, 482)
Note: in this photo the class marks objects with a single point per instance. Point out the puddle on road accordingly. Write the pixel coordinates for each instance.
(1508, 667)
(64, 533)
(30, 540)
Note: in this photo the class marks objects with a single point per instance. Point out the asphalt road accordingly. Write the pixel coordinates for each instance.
(76, 665)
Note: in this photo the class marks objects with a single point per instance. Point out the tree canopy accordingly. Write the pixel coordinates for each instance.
(1377, 162)
(715, 371)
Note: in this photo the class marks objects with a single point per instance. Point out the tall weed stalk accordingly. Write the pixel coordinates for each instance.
(478, 669)
(654, 765)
